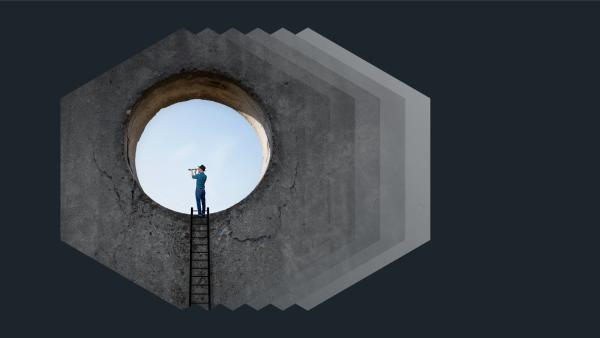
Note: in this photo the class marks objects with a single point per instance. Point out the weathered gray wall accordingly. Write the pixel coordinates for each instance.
(316, 210)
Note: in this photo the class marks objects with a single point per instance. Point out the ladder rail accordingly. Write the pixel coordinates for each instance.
(208, 253)
(191, 240)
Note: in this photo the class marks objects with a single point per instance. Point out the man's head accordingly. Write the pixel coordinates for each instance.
(201, 168)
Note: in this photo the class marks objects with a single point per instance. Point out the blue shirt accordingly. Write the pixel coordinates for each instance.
(200, 179)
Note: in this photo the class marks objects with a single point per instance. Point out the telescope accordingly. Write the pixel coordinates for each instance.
(193, 169)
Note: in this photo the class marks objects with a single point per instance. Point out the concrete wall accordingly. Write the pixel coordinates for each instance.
(315, 223)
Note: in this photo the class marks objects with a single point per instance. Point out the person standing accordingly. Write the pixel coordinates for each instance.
(200, 178)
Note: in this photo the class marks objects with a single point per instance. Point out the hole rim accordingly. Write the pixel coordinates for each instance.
(203, 85)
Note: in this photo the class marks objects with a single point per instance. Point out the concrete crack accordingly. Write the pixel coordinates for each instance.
(280, 218)
(102, 172)
(251, 239)
(291, 186)
(261, 237)
(107, 175)
(132, 193)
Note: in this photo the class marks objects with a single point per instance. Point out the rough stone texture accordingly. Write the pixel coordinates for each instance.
(335, 201)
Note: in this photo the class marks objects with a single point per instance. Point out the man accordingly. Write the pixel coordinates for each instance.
(200, 178)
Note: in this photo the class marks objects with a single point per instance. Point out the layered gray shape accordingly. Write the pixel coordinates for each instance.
(416, 172)
(298, 238)
(392, 168)
(390, 155)
(366, 160)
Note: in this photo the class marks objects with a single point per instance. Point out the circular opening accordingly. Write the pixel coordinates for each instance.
(192, 119)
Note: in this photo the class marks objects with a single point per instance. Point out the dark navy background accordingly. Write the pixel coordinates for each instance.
(515, 91)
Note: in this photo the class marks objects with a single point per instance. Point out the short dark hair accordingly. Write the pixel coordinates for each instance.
(202, 167)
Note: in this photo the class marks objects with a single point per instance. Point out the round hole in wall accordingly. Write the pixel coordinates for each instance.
(192, 119)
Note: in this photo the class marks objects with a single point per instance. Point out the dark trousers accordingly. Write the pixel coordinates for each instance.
(201, 201)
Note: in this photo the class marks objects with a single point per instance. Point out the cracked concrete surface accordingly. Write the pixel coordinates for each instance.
(322, 214)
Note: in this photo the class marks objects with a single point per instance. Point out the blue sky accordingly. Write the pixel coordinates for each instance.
(187, 134)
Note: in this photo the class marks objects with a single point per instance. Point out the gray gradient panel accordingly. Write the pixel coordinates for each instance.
(391, 106)
(417, 170)
(365, 160)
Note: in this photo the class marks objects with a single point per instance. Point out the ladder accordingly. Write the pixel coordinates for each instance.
(200, 293)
